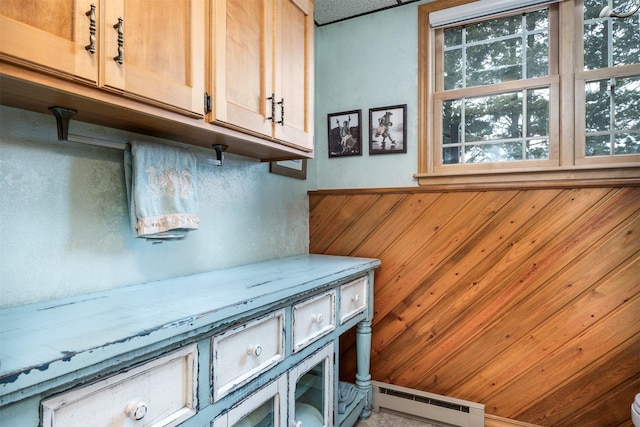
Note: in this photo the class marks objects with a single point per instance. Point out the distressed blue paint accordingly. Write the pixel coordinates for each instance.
(77, 337)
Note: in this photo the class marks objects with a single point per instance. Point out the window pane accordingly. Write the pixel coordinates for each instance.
(453, 36)
(627, 143)
(627, 103)
(537, 149)
(537, 20)
(538, 112)
(609, 42)
(537, 55)
(494, 62)
(592, 8)
(453, 69)
(597, 145)
(598, 109)
(451, 155)
(451, 113)
(493, 117)
(626, 40)
(595, 45)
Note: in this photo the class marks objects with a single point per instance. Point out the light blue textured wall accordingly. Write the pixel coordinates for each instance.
(363, 63)
(63, 215)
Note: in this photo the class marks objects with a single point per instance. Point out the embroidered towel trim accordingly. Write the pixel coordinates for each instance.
(161, 188)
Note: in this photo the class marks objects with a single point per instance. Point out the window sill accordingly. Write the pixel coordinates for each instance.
(618, 175)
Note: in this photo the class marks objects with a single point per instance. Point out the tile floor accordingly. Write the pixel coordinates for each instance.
(386, 419)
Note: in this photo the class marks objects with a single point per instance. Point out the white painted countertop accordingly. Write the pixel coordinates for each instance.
(45, 341)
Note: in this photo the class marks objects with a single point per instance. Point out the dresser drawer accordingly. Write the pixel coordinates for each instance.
(162, 392)
(242, 353)
(313, 318)
(353, 298)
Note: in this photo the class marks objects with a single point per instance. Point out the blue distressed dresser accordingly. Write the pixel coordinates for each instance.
(255, 345)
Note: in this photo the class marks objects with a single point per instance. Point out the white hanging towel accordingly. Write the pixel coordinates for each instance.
(161, 189)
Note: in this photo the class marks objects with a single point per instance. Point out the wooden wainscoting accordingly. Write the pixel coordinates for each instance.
(525, 300)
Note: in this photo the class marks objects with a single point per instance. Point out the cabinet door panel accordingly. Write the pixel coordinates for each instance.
(49, 35)
(294, 64)
(311, 390)
(266, 407)
(242, 64)
(163, 57)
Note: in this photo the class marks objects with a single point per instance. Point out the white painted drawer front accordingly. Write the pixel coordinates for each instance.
(244, 352)
(353, 298)
(313, 318)
(162, 392)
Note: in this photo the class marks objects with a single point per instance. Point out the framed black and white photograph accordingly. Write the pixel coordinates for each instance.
(291, 168)
(345, 133)
(388, 129)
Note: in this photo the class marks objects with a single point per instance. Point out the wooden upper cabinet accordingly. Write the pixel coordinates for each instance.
(294, 71)
(160, 46)
(51, 35)
(240, 68)
(154, 50)
(144, 66)
(261, 66)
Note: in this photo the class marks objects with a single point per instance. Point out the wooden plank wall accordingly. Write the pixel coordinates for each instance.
(525, 300)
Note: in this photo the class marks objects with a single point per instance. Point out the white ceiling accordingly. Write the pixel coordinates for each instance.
(329, 11)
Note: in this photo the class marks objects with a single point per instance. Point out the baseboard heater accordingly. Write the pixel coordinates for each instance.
(433, 408)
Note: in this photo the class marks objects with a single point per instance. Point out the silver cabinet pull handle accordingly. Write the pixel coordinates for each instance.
(281, 104)
(91, 47)
(120, 28)
(273, 108)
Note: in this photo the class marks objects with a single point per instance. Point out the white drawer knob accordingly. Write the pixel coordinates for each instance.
(254, 350)
(136, 410)
(296, 424)
(317, 318)
(355, 298)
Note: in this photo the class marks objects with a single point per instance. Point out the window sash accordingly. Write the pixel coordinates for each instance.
(583, 76)
(440, 95)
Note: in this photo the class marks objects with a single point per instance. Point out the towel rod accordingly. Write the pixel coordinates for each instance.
(63, 117)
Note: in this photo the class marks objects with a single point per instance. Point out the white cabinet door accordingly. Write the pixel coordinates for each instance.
(265, 407)
(311, 390)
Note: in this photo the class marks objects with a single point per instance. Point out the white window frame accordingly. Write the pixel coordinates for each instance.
(567, 162)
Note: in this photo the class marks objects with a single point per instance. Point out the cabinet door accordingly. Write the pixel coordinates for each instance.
(51, 36)
(267, 407)
(294, 72)
(241, 64)
(311, 388)
(153, 50)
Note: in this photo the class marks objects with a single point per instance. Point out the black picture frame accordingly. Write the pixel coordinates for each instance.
(345, 133)
(291, 168)
(385, 138)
